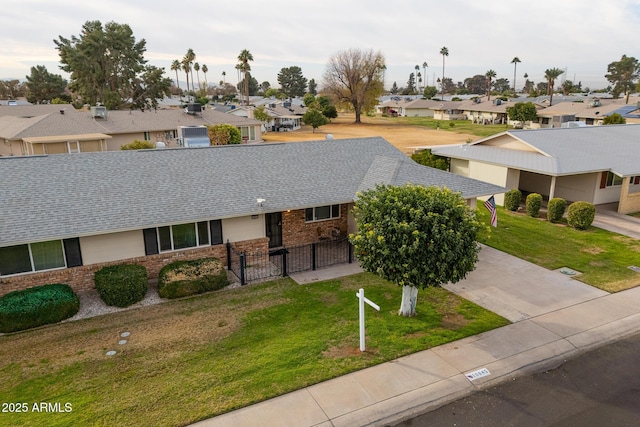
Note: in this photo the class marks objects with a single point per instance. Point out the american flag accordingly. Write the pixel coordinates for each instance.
(490, 204)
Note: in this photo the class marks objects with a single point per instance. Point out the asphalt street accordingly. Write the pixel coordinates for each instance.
(599, 388)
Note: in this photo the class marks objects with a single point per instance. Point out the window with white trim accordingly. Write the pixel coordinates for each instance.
(32, 257)
(321, 213)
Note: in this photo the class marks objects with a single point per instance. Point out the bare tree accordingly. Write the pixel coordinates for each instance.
(355, 77)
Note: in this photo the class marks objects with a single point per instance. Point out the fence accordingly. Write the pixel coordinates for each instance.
(264, 265)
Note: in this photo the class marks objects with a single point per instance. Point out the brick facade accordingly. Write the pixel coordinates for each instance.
(296, 231)
(629, 202)
(81, 278)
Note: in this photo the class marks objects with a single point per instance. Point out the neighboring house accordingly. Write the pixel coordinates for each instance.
(65, 217)
(285, 115)
(594, 164)
(592, 112)
(55, 129)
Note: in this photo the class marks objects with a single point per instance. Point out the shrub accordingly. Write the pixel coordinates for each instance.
(512, 199)
(138, 145)
(555, 209)
(121, 285)
(580, 215)
(427, 158)
(37, 306)
(533, 204)
(184, 278)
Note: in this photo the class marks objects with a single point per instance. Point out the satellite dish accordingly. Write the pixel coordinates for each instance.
(161, 144)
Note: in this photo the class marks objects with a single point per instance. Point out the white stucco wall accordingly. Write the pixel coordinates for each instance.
(577, 187)
(493, 174)
(243, 228)
(112, 247)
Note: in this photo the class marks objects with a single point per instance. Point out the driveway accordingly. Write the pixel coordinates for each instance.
(608, 219)
(519, 290)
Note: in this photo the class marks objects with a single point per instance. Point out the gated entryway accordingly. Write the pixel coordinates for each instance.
(280, 262)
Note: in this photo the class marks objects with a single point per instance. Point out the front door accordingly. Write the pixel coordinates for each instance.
(274, 228)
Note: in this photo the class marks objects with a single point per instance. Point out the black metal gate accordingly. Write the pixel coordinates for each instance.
(256, 266)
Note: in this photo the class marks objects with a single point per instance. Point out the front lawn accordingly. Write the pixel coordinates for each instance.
(457, 126)
(195, 358)
(601, 256)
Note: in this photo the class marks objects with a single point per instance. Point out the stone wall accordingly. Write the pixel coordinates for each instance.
(296, 231)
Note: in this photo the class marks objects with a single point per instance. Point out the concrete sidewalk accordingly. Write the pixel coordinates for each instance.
(555, 318)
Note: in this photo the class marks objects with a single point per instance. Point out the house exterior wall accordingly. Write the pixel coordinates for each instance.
(535, 183)
(629, 197)
(419, 112)
(493, 174)
(459, 167)
(607, 195)
(243, 228)
(577, 187)
(111, 247)
(506, 141)
(296, 231)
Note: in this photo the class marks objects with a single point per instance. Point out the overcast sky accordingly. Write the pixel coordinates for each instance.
(580, 36)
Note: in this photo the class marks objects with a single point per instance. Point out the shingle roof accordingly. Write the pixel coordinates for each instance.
(562, 151)
(59, 196)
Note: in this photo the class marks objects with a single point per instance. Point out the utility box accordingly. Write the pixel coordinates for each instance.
(193, 136)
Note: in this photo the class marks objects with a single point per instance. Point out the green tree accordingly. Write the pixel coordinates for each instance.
(103, 62)
(205, 70)
(489, 75)
(394, 89)
(43, 86)
(261, 114)
(309, 100)
(292, 82)
(355, 77)
(313, 87)
(12, 89)
(244, 67)
(522, 112)
(502, 86)
(176, 66)
(411, 85)
(621, 74)
(427, 158)
(330, 112)
(149, 87)
(515, 61)
(551, 75)
(314, 118)
(416, 237)
(444, 52)
(614, 119)
(223, 134)
(253, 85)
(430, 92)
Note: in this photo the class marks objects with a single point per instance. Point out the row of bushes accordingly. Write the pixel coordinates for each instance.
(118, 285)
(580, 215)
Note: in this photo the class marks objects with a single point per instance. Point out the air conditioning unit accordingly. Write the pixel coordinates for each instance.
(99, 112)
(193, 136)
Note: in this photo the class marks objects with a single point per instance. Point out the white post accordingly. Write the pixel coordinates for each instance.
(362, 299)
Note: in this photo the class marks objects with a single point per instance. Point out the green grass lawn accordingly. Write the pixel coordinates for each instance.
(459, 126)
(196, 358)
(602, 257)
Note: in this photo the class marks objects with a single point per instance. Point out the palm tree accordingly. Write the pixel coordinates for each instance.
(191, 56)
(186, 67)
(204, 70)
(551, 75)
(196, 67)
(444, 52)
(417, 68)
(424, 69)
(489, 75)
(244, 58)
(515, 62)
(224, 80)
(175, 66)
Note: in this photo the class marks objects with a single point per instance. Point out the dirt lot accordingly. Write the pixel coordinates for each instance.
(405, 137)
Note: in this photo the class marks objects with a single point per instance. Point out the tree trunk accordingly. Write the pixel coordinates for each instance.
(409, 299)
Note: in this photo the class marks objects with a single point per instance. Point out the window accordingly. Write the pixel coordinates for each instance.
(183, 236)
(147, 136)
(613, 179)
(32, 257)
(320, 213)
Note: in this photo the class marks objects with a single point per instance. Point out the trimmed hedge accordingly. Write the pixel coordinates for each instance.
(580, 215)
(121, 285)
(556, 209)
(184, 278)
(512, 199)
(533, 204)
(37, 306)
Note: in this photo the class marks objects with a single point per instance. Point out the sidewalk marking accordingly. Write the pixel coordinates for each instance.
(482, 372)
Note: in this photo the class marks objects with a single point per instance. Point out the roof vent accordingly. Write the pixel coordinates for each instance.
(99, 112)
